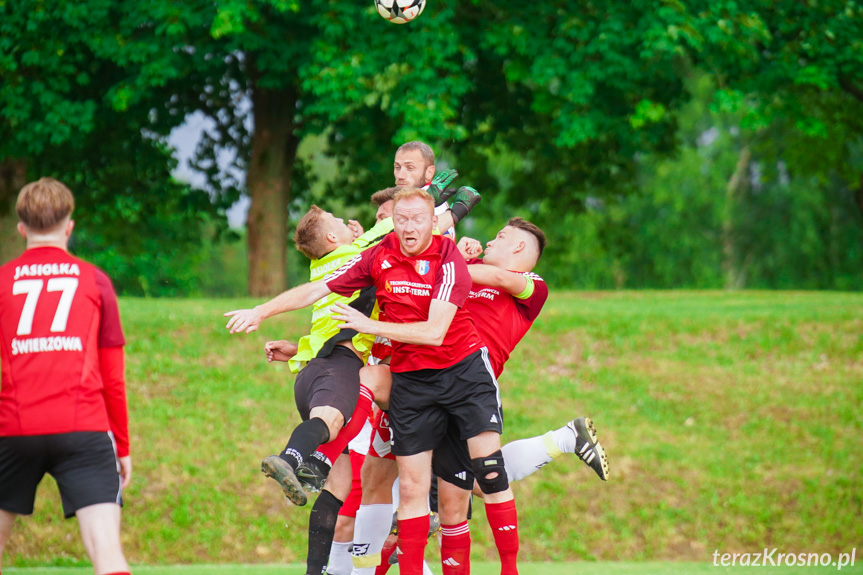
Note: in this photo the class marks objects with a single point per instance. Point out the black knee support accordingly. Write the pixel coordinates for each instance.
(485, 468)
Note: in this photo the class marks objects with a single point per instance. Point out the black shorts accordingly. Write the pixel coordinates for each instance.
(423, 402)
(84, 464)
(332, 381)
(451, 460)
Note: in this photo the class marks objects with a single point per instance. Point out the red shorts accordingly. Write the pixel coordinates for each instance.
(380, 445)
(352, 502)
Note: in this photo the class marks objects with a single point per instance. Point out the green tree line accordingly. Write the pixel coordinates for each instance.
(660, 143)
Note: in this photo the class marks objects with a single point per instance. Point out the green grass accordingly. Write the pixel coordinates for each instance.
(732, 422)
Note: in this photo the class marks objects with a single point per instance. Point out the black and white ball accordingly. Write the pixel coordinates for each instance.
(400, 11)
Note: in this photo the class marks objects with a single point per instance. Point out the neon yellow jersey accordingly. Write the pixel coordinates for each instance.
(323, 325)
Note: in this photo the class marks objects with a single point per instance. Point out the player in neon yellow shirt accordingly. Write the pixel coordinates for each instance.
(324, 327)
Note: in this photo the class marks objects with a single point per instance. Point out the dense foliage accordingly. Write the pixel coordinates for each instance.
(660, 143)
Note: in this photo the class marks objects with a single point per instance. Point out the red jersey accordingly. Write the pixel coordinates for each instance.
(57, 314)
(406, 286)
(503, 319)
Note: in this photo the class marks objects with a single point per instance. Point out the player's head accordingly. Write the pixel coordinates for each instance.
(320, 232)
(414, 165)
(383, 199)
(518, 246)
(45, 210)
(414, 220)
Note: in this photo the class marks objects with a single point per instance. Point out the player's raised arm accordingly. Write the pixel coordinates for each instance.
(248, 320)
(514, 251)
(464, 200)
(429, 332)
(514, 283)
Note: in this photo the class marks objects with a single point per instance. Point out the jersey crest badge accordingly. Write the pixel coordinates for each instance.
(422, 267)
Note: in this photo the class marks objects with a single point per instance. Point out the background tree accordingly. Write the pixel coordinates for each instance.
(69, 112)
(549, 110)
(477, 80)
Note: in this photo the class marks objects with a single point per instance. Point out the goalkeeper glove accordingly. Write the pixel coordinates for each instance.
(463, 202)
(438, 186)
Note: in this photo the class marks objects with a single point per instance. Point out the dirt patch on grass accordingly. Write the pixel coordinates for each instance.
(567, 355)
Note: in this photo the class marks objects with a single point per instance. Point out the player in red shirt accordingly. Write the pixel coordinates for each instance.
(440, 378)
(440, 368)
(505, 299)
(62, 392)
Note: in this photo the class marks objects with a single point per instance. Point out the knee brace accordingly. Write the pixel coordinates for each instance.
(483, 467)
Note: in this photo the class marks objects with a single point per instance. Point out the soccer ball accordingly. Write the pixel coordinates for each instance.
(400, 11)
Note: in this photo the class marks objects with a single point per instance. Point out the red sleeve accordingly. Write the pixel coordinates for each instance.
(110, 331)
(354, 275)
(531, 306)
(112, 368)
(452, 281)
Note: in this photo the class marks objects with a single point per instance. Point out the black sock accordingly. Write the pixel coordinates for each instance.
(322, 527)
(304, 440)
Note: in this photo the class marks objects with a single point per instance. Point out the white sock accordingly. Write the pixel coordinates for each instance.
(524, 456)
(340, 562)
(426, 569)
(370, 532)
(564, 438)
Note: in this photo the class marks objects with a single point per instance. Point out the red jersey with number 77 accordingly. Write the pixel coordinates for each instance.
(406, 286)
(56, 313)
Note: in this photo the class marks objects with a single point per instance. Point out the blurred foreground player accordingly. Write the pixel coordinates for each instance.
(62, 392)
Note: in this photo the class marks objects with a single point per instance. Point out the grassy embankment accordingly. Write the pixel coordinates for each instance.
(732, 422)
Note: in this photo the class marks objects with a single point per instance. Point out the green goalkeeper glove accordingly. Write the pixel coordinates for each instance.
(463, 202)
(438, 186)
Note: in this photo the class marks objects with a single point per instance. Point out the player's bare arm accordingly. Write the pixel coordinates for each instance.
(280, 350)
(445, 221)
(513, 283)
(429, 332)
(248, 320)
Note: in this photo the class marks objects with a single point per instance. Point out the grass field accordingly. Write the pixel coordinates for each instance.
(732, 422)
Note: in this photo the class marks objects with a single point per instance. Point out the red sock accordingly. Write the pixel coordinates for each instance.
(334, 448)
(455, 549)
(413, 535)
(119, 573)
(388, 549)
(503, 519)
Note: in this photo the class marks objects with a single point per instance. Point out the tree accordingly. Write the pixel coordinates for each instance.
(546, 106)
(67, 112)
(477, 75)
